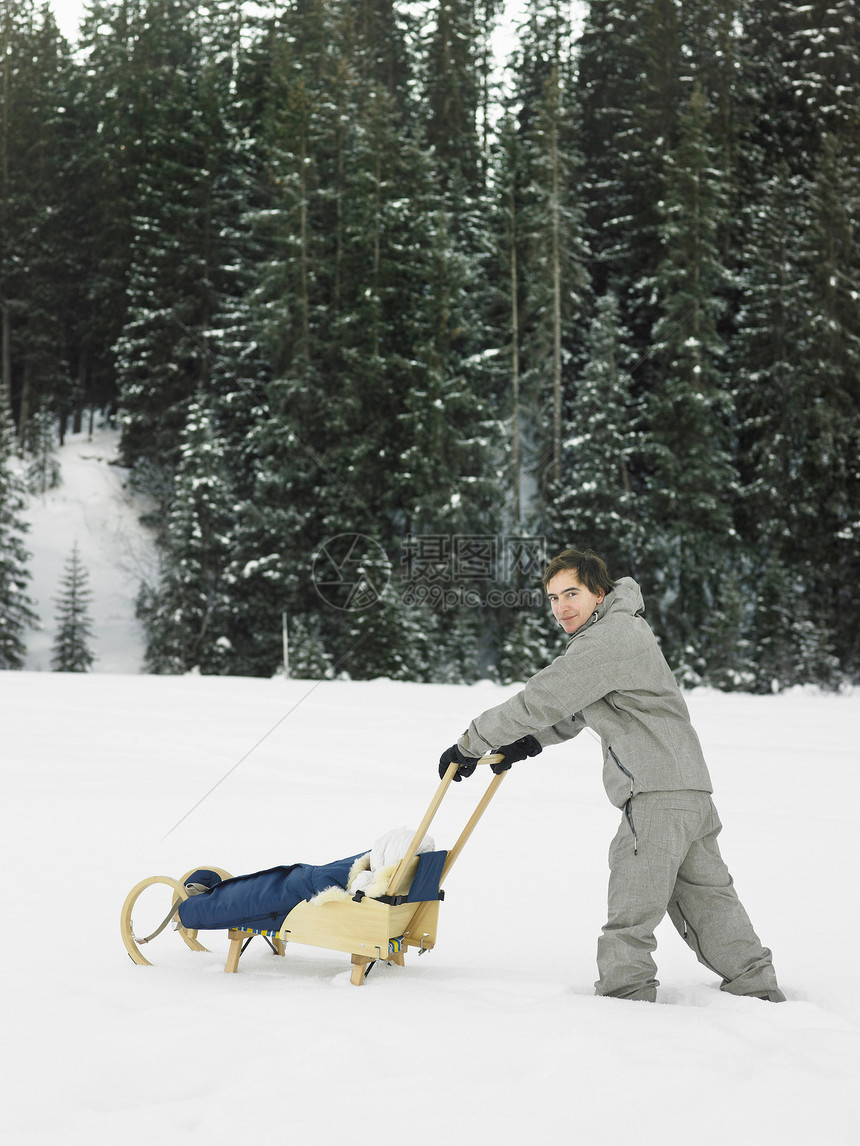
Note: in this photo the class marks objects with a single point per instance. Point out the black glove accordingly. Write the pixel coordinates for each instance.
(525, 746)
(467, 764)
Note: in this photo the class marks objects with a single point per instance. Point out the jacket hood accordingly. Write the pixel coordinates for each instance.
(626, 597)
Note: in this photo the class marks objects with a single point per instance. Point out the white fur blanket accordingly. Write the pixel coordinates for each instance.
(371, 872)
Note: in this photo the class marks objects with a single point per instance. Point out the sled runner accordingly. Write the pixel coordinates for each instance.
(310, 904)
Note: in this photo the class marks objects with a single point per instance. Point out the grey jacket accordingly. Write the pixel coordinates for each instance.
(614, 679)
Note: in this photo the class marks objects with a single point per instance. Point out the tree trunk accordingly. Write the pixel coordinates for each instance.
(6, 356)
(304, 257)
(5, 318)
(556, 308)
(24, 407)
(516, 462)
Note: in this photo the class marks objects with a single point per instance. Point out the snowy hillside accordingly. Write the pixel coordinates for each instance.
(93, 508)
(494, 1036)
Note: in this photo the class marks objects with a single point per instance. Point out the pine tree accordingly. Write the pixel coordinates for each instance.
(16, 608)
(796, 346)
(103, 172)
(451, 61)
(375, 413)
(71, 649)
(507, 302)
(466, 646)
(824, 66)
(34, 238)
(629, 89)
(772, 116)
(282, 422)
(527, 647)
(169, 286)
(550, 250)
(384, 640)
(308, 657)
(187, 614)
(232, 82)
(689, 411)
(789, 644)
(597, 507)
(827, 373)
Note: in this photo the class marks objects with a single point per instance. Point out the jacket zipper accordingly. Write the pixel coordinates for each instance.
(628, 807)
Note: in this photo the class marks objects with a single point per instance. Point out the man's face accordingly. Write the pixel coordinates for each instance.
(572, 604)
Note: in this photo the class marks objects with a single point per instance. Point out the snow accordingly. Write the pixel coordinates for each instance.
(68, 14)
(495, 1035)
(495, 1032)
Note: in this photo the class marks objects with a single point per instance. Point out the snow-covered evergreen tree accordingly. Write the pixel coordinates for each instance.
(389, 327)
(596, 506)
(102, 175)
(71, 649)
(374, 413)
(16, 608)
(551, 255)
(823, 65)
(451, 86)
(789, 644)
(35, 244)
(385, 640)
(308, 657)
(629, 88)
(795, 351)
(186, 615)
(689, 411)
(527, 646)
(827, 375)
(160, 361)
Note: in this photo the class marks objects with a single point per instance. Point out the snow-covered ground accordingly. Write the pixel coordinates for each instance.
(495, 1035)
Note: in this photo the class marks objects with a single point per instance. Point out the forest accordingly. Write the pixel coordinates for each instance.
(386, 317)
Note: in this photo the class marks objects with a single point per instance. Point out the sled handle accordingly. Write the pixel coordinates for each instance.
(400, 871)
(491, 790)
(417, 921)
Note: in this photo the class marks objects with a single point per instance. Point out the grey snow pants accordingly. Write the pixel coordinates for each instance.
(676, 868)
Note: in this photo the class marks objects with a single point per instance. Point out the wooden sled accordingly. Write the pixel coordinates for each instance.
(367, 929)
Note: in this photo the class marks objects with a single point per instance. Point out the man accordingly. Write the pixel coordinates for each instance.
(664, 857)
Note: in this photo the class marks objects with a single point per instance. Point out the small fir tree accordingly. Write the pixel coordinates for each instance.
(72, 652)
(308, 657)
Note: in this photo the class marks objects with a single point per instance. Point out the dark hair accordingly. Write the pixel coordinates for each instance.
(589, 567)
